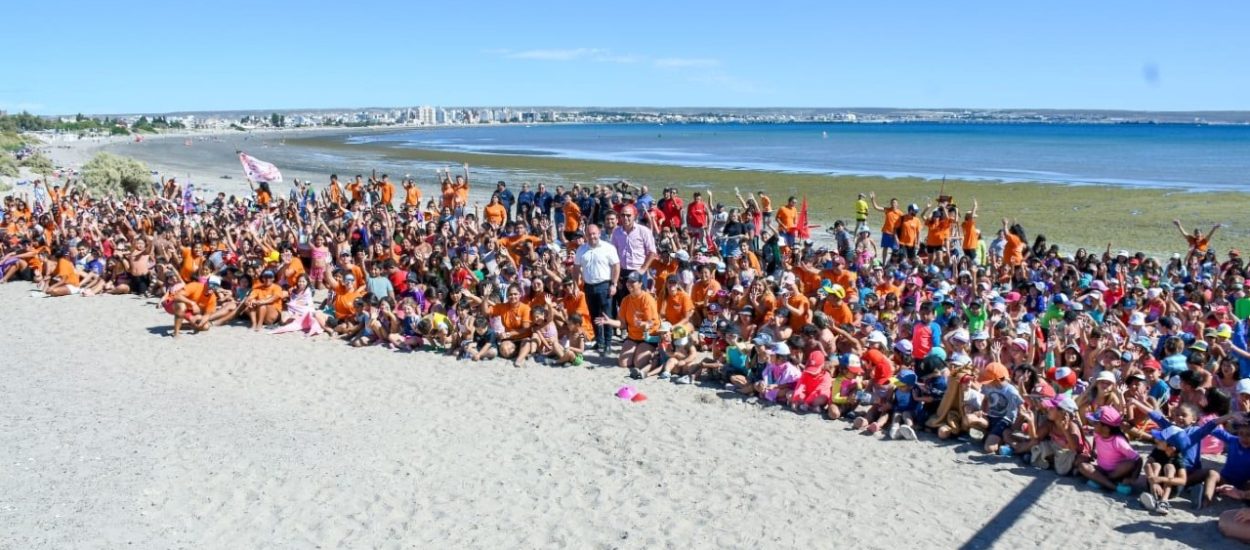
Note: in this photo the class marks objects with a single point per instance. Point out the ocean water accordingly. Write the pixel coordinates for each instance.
(1192, 157)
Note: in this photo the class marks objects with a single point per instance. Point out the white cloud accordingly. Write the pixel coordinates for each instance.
(685, 62)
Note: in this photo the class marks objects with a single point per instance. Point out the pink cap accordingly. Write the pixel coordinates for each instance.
(626, 392)
(1012, 297)
(1107, 415)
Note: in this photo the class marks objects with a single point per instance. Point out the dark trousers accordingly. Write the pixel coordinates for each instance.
(622, 290)
(599, 302)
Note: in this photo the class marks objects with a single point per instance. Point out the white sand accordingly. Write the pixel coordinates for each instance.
(115, 435)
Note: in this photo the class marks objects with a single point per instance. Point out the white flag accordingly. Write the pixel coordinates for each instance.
(259, 170)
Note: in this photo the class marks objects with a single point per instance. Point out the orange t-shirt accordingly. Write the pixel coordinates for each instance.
(577, 304)
(800, 311)
(412, 196)
(336, 193)
(263, 199)
(357, 190)
(635, 310)
(909, 231)
(66, 272)
(513, 245)
(766, 203)
(514, 317)
(205, 299)
(186, 269)
(840, 313)
(1198, 243)
(36, 262)
(293, 271)
(462, 193)
(972, 236)
(704, 291)
(572, 217)
(787, 218)
(939, 232)
(892, 216)
(495, 214)
(449, 196)
(677, 305)
(265, 292)
(387, 193)
(1013, 252)
(345, 301)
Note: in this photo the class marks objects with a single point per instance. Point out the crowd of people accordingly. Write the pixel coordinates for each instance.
(1117, 367)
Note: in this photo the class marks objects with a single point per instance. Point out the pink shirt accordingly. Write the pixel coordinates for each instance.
(633, 247)
(1113, 451)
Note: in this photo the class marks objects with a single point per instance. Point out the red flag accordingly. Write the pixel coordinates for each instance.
(802, 230)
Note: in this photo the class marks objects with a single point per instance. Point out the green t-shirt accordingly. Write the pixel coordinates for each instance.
(976, 323)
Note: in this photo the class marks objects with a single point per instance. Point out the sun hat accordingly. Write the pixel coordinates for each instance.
(994, 372)
(1137, 319)
(1106, 415)
(961, 336)
(1143, 341)
(214, 281)
(1198, 345)
(960, 359)
(980, 335)
(1105, 376)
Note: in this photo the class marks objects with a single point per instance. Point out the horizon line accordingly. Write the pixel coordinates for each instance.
(644, 108)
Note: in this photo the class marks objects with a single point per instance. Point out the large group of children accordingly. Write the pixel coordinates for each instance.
(1074, 362)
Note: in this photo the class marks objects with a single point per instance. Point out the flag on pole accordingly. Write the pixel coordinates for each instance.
(803, 231)
(258, 170)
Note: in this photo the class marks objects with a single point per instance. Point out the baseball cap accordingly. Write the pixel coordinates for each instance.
(1062, 402)
(903, 346)
(907, 377)
(877, 337)
(994, 372)
(780, 348)
(1106, 415)
(1105, 376)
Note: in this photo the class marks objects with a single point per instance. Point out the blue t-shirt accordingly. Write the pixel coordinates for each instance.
(1191, 456)
(1236, 469)
(1160, 391)
(1004, 402)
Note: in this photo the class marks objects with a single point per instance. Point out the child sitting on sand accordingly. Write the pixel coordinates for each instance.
(1114, 460)
(482, 344)
(845, 387)
(1164, 470)
(1001, 406)
(778, 378)
(904, 406)
(681, 359)
(811, 390)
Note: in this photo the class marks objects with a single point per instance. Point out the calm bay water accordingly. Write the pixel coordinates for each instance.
(1194, 157)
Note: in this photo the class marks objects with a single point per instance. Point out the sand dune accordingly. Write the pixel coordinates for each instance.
(118, 435)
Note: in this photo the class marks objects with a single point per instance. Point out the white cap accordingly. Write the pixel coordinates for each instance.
(960, 359)
(1243, 386)
(1105, 376)
(1137, 319)
(780, 348)
(877, 337)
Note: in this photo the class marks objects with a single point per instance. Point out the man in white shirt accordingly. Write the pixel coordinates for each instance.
(599, 267)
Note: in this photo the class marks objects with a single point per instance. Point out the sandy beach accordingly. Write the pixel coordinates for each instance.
(116, 439)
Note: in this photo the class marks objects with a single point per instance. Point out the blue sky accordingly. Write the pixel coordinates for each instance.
(127, 57)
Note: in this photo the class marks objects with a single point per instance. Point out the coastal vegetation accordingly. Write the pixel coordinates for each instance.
(115, 175)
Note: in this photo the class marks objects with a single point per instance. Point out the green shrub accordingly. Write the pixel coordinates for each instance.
(109, 174)
(8, 165)
(38, 164)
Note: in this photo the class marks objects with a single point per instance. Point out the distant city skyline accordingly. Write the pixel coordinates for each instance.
(157, 57)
